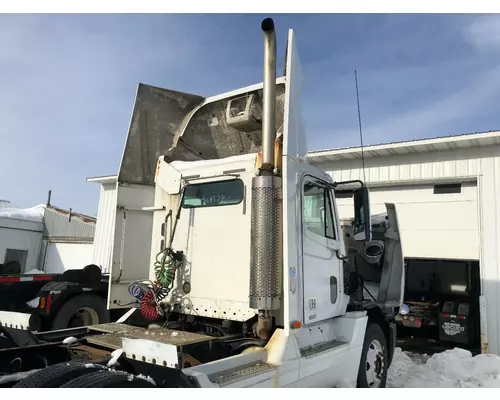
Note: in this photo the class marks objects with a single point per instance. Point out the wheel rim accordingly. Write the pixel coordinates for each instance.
(375, 364)
(84, 317)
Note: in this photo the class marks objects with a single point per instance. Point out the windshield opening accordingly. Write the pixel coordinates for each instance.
(211, 194)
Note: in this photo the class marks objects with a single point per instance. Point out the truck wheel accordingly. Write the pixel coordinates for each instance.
(82, 310)
(106, 379)
(56, 375)
(374, 360)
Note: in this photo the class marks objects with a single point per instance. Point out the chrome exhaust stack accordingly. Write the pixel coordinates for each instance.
(269, 96)
(266, 257)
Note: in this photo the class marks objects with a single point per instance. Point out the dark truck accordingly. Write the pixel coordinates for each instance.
(47, 302)
(443, 302)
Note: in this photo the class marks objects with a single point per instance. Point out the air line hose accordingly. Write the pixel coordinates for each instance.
(165, 267)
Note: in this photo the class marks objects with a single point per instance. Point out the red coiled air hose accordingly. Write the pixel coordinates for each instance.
(148, 306)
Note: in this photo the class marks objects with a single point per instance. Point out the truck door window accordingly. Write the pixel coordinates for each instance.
(211, 194)
(318, 217)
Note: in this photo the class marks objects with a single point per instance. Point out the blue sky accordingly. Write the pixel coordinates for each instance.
(68, 83)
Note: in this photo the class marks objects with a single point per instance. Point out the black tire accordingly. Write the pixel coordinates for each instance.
(93, 304)
(56, 375)
(106, 379)
(374, 346)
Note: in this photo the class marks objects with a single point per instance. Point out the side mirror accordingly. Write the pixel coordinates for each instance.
(362, 220)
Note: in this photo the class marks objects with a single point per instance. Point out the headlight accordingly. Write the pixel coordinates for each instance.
(405, 309)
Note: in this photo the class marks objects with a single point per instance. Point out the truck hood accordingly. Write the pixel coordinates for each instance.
(384, 270)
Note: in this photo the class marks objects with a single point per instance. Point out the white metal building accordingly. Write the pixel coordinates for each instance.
(45, 238)
(20, 235)
(68, 240)
(447, 193)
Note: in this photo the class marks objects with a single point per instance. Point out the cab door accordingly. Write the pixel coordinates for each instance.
(321, 267)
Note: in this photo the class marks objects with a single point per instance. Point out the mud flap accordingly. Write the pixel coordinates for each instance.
(391, 343)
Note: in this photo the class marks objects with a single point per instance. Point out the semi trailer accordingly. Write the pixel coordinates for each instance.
(47, 302)
(229, 256)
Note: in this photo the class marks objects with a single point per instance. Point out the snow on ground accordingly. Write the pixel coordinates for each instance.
(450, 369)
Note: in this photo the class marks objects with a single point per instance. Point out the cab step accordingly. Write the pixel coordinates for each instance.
(239, 373)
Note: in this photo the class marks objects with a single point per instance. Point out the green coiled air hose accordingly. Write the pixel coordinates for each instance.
(165, 267)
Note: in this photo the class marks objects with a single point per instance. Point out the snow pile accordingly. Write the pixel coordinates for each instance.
(70, 340)
(115, 355)
(147, 378)
(450, 369)
(131, 377)
(34, 303)
(33, 214)
(34, 272)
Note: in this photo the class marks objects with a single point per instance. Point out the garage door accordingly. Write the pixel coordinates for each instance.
(437, 221)
(63, 256)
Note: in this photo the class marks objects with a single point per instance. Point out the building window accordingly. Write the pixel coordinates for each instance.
(19, 256)
(449, 188)
(318, 216)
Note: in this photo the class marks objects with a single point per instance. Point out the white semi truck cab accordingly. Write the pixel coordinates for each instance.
(229, 246)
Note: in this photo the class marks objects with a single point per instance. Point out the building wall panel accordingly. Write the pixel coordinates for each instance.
(105, 226)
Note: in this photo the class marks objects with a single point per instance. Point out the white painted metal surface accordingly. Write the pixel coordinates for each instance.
(293, 368)
(106, 214)
(131, 246)
(63, 256)
(320, 263)
(14, 320)
(294, 152)
(433, 225)
(423, 146)
(219, 288)
(21, 235)
(466, 162)
(162, 353)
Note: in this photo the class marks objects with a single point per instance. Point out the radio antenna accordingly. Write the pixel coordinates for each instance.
(360, 128)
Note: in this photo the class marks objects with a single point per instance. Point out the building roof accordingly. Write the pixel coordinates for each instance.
(443, 143)
(63, 223)
(103, 179)
(82, 217)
